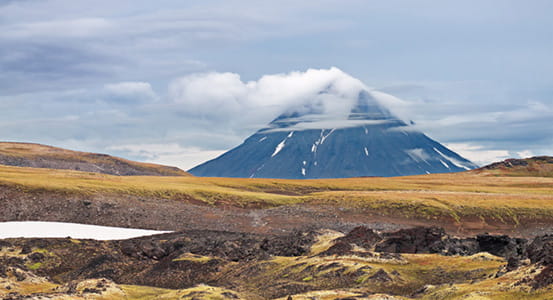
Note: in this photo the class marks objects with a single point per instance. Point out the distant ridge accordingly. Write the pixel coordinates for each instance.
(534, 166)
(42, 156)
(303, 143)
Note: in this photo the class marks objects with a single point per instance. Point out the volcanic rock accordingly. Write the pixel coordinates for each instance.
(541, 250)
(414, 240)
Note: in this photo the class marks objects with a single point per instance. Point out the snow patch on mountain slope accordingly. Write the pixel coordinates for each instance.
(279, 147)
(452, 160)
(417, 154)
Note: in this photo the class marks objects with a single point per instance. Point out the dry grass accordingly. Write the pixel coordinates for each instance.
(406, 275)
(198, 292)
(324, 241)
(193, 257)
(507, 287)
(429, 196)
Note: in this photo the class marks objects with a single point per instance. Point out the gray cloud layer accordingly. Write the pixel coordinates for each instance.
(109, 76)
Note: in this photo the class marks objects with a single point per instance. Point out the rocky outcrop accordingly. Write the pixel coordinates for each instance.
(339, 248)
(414, 240)
(435, 240)
(227, 245)
(361, 236)
(502, 245)
(541, 250)
(544, 278)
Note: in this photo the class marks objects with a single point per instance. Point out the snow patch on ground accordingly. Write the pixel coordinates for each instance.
(35, 229)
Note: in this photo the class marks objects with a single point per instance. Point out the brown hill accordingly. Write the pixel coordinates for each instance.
(42, 156)
(541, 166)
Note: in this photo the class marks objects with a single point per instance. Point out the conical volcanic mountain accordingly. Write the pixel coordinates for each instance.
(369, 141)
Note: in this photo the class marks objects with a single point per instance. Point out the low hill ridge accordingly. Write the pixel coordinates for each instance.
(541, 166)
(43, 156)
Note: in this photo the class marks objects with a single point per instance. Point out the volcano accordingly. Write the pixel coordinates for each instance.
(304, 143)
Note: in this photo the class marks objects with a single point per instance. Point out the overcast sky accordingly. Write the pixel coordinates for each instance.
(179, 82)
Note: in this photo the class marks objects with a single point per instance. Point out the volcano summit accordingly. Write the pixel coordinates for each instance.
(318, 140)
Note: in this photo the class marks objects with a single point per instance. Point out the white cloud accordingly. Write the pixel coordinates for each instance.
(209, 93)
(399, 107)
(478, 154)
(329, 124)
(169, 154)
(525, 154)
(226, 98)
(71, 28)
(131, 90)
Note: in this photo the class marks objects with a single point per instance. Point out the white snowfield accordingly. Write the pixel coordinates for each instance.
(35, 229)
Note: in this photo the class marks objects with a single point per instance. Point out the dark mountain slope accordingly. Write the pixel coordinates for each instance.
(370, 141)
